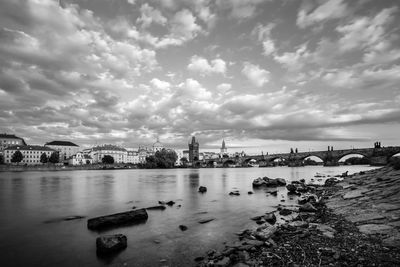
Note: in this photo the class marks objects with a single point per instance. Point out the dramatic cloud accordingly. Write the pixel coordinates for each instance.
(264, 73)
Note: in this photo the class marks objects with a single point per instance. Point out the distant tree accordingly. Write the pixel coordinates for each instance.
(43, 158)
(1, 159)
(17, 157)
(54, 157)
(87, 161)
(107, 159)
(356, 161)
(162, 159)
(291, 151)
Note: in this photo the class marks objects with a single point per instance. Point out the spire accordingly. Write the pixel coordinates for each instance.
(223, 144)
(193, 139)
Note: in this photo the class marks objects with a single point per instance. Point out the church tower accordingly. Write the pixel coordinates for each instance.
(193, 150)
(224, 150)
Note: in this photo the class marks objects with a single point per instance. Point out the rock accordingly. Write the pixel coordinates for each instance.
(170, 203)
(111, 243)
(270, 217)
(134, 207)
(265, 232)
(224, 262)
(250, 192)
(234, 193)
(372, 229)
(302, 200)
(159, 207)
(161, 202)
(199, 258)
(308, 207)
(183, 227)
(206, 220)
(285, 212)
(270, 182)
(298, 224)
(202, 189)
(116, 219)
(291, 188)
(256, 218)
(354, 194)
(331, 181)
(255, 243)
(281, 181)
(358, 218)
(258, 182)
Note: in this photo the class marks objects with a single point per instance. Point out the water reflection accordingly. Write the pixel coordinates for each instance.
(28, 199)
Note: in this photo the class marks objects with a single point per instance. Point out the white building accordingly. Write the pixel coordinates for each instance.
(65, 149)
(7, 140)
(80, 158)
(31, 154)
(133, 157)
(119, 154)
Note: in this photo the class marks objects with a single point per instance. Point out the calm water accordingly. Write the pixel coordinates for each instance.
(29, 199)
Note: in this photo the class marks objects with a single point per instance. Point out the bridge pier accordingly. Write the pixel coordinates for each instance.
(378, 160)
(331, 162)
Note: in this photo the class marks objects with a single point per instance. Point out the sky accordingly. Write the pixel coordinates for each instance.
(265, 75)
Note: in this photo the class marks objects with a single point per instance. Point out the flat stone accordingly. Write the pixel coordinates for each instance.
(255, 243)
(387, 206)
(392, 241)
(354, 194)
(224, 262)
(264, 233)
(301, 224)
(364, 217)
(372, 229)
(206, 220)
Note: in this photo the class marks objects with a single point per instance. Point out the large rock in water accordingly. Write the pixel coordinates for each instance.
(202, 189)
(269, 182)
(117, 219)
(111, 243)
(291, 188)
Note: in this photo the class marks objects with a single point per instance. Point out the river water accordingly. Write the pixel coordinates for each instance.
(32, 205)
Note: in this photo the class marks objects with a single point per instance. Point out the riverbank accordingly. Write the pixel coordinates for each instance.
(356, 222)
(56, 167)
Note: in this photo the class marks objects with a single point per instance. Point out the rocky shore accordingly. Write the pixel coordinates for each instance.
(354, 221)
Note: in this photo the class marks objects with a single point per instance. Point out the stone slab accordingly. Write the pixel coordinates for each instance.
(364, 217)
(355, 194)
(373, 229)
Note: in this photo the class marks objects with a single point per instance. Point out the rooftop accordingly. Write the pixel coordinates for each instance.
(108, 147)
(11, 136)
(60, 143)
(40, 148)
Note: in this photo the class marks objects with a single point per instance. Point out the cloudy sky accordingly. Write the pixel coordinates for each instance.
(265, 74)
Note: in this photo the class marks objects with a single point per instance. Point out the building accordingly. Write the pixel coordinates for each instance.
(7, 140)
(133, 157)
(157, 146)
(119, 154)
(80, 158)
(31, 154)
(65, 149)
(193, 150)
(224, 150)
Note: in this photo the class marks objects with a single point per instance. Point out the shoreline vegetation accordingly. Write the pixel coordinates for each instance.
(354, 221)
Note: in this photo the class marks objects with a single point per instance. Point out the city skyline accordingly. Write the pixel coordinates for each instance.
(263, 75)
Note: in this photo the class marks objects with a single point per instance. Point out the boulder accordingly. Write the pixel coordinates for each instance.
(291, 188)
(331, 181)
(281, 181)
(234, 193)
(265, 232)
(285, 212)
(111, 243)
(270, 217)
(258, 182)
(117, 219)
(308, 207)
(250, 192)
(183, 227)
(202, 189)
(170, 203)
(271, 182)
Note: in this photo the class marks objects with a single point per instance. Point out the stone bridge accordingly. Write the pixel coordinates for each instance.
(376, 156)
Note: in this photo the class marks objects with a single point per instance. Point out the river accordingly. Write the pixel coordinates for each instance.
(32, 205)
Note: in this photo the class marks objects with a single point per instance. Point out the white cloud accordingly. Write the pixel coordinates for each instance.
(365, 32)
(263, 34)
(224, 87)
(240, 9)
(255, 74)
(331, 9)
(202, 65)
(194, 90)
(159, 84)
(294, 60)
(150, 15)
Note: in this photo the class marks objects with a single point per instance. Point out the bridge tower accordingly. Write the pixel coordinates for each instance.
(193, 150)
(224, 150)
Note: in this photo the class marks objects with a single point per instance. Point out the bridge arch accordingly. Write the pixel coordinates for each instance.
(228, 162)
(312, 155)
